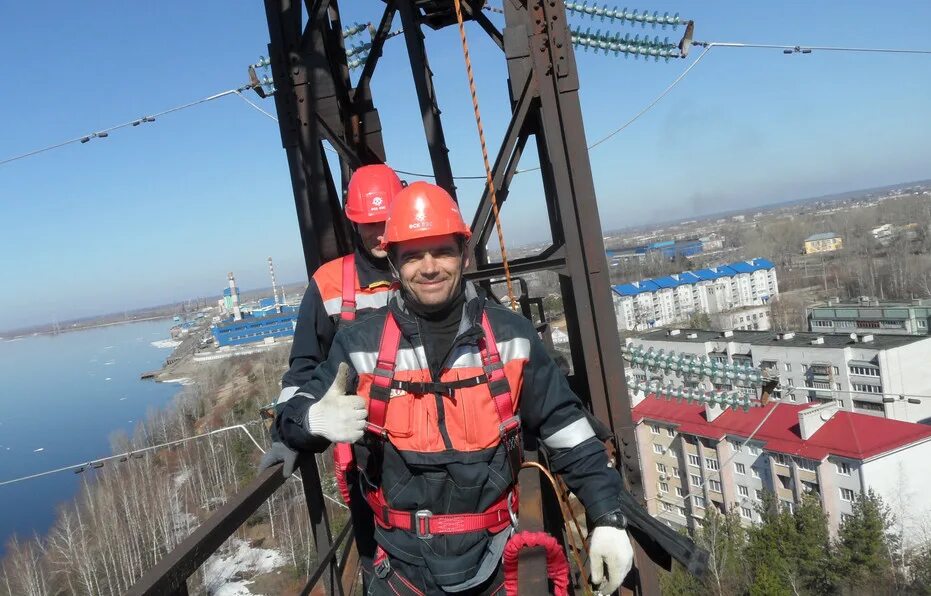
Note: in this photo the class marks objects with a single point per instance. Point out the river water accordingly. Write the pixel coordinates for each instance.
(61, 397)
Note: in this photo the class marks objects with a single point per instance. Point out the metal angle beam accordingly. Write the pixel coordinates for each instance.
(504, 167)
(426, 96)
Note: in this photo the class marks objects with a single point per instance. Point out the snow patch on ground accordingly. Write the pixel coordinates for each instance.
(224, 573)
(166, 343)
(180, 380)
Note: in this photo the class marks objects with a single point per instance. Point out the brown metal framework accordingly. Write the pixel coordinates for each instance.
(317, 102)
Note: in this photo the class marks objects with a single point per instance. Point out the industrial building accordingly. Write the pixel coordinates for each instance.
(877, 375)
(264, 321)
(870, 315)
(693, 458)
(669, 249)
(674, 298)
(824, 242)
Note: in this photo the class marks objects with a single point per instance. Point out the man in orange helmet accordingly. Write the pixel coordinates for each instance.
(435, 390)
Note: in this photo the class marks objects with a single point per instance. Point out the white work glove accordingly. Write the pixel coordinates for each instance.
(338, 417)
(609, 548)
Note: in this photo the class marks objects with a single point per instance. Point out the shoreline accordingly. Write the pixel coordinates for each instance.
(81, 328)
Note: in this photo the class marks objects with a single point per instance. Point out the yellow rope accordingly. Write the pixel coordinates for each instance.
(481, 138)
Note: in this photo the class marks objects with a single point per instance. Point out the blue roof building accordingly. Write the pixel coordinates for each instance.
(664, 300)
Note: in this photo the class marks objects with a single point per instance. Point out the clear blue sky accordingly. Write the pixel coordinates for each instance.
(163, 211)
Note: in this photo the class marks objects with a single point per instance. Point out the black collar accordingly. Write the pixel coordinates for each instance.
(372, 272)
(470, 324)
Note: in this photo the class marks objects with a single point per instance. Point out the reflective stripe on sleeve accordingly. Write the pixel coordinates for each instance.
(570, 435)
(286, 394)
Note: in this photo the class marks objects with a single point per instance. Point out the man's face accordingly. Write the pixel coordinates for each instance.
(430, 269)
(371, 234)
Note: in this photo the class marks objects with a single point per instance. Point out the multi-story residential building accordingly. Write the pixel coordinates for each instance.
(869, 315)
(674, 298)
(695, 457)
(752, 318)
(824, 242)
(879, 375)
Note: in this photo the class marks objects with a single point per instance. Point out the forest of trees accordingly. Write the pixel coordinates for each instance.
(130, 513)
(792, 554)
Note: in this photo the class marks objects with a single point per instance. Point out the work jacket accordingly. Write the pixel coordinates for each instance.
(322, 309)
(441, 452)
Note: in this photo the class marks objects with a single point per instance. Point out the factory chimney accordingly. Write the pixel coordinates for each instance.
(234, 296)
(271, 269)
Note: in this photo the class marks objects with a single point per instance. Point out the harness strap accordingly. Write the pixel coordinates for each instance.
(383, 375)
(348, 310)
(426, 524)
(557, 568)
(497, 381)
(446, 388)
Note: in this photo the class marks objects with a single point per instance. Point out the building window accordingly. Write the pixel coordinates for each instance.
(788, 506)
(846, 494)
(694, 460)
(743, 490)
(670, 432)
(804, 368)
(755, 472)
(836, 370)
(667, 507)
(780, 459)
(843, 468)
(790, 382)
(922, 323)
(698, 501)
(661, 468)
(696, 480)
(658, 448)
(864, 371)
(654, 429)
(675, 471)
(746, 512)
(867, 405)
(805, 464)
(714, 485)
(741, 469)
(788, 367)
(759, 494)
(867, 388)
(711, 464)
(681, 511)
(838, 386)
(663, 487)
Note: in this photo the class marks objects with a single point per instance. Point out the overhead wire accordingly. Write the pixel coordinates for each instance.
(134, 452)
(105, 132)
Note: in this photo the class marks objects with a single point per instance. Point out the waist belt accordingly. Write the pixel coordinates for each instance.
(425, 523)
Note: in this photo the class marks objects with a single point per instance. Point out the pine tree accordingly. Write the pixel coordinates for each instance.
(812, 548)
(865, 547)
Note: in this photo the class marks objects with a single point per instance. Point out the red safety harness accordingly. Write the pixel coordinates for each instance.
(343, 457)
(423, 522)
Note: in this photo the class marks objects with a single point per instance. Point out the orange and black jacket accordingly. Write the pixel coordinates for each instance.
(319, 315)
(443, 451)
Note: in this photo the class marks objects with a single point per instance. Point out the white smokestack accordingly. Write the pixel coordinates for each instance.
(271, 270)
(234, 296)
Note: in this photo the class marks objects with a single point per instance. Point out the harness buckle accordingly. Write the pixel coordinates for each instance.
(378, 430)
(422, 523)
(512, 501)
(382, 568)
(508, 427)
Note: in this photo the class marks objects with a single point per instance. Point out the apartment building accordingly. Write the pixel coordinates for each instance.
(870, 315)
(878, 375)
(694, 458)
(824, 242)
(674, 298)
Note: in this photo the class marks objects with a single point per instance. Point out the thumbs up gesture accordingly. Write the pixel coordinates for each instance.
(337, 416)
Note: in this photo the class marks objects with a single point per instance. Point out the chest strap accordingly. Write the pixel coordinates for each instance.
(425, 523)
(348, 309)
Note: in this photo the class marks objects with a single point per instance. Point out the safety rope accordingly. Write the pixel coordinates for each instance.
(562, 496)
(481, 138)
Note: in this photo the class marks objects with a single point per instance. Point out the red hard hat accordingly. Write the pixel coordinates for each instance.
(371, 190)
(423, 210)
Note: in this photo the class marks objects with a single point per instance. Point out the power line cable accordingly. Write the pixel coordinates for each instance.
(99, 462)
(105, 132)
(800, 49)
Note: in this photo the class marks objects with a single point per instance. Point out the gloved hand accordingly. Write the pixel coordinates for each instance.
(609, 548)
(279, 452)
(338, 417)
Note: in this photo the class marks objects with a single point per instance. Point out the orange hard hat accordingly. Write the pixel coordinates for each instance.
(423, 210)
(371, 190)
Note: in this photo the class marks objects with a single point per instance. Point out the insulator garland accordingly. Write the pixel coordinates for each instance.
(626, 16)
(626, 44)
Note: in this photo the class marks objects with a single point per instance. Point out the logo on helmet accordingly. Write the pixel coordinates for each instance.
(420, 215)
(377, 201)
